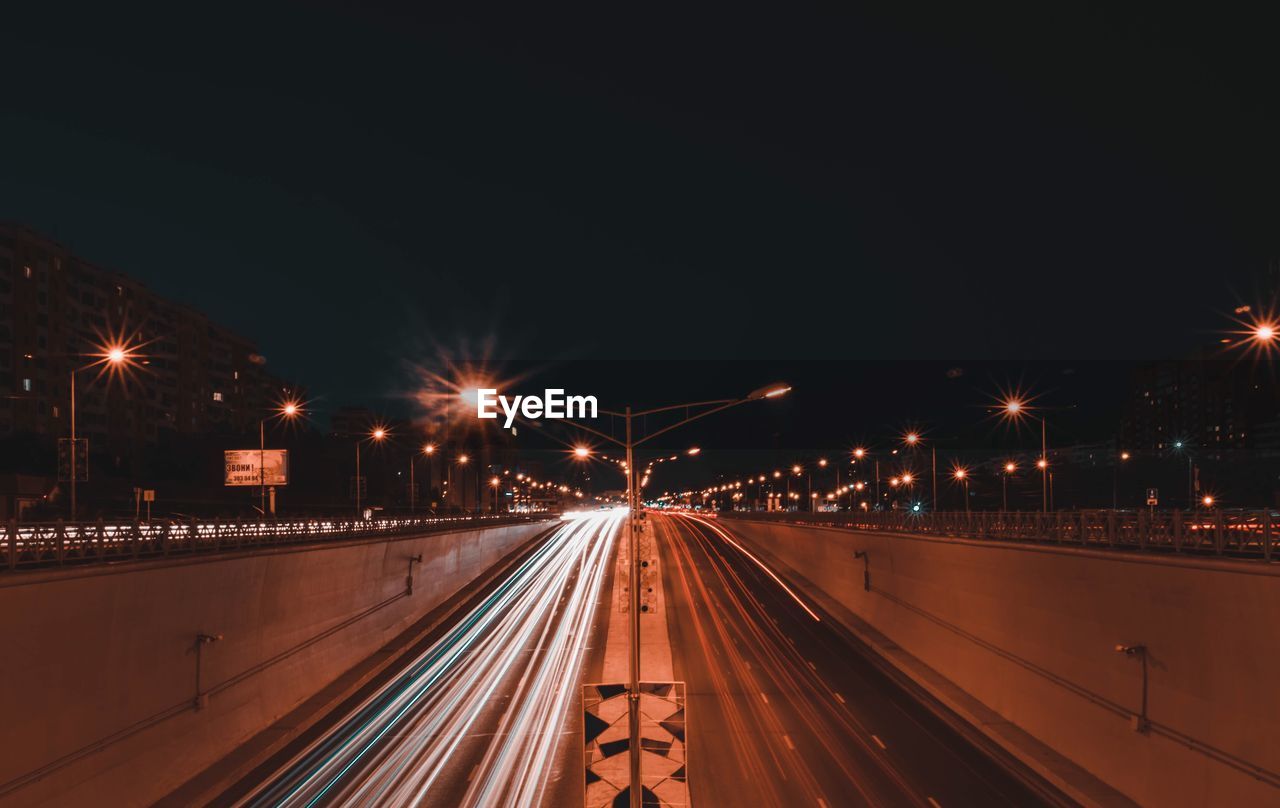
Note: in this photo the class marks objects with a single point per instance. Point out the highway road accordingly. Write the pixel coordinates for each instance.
(489, 713)
(784, 709)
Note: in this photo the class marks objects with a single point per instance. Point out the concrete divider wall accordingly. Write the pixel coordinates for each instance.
(1031, 632)
(89, 653)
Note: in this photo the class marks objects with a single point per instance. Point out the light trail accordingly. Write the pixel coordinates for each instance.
(402, 741)
(725, 535)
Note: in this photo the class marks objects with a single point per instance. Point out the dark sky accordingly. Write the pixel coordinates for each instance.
(357, 188)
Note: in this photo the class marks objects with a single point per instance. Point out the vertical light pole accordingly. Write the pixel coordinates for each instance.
(1009, 468)
(1115, 480)
(629, 443)
(1181, 446)
(462, 461)
(1015, 409)
(288, 410)
(428, 449)
(113, 359)
(962, 476)
(377, 435)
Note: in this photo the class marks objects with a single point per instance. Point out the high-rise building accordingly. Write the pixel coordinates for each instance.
(58, 309)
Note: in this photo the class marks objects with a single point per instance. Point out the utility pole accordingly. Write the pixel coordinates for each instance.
(633, 502)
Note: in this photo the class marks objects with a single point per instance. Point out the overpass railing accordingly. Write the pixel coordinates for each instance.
(1244, 533)
(61, 543)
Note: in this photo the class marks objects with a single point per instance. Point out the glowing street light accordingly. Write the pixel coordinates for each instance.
(1015, 407)
(113, 360)
(693, 451)
(581, 452)
(629, 443)
(377, 435)
(962, 476)
(1009, 468)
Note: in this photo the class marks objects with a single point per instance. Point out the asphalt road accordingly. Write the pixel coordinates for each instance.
(488, 714)
(784, 709)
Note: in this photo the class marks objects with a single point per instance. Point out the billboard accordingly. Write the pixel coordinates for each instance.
(256, 467)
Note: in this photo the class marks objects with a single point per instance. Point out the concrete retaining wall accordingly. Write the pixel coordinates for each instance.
(1031, 632)
(98, 665)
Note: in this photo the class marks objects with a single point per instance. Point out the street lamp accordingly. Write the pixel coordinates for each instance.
(1009, 468)
(428, 449)
(1181, 446)
(377, 435)
(113, 360)
(287, 410)
(962, 476)
(629, 443)
(1015, 408)
(1115, 479)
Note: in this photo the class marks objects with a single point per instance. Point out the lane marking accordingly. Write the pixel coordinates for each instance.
(840, 698)
(766, 698)
(812, 666)
(790, 745)
(934, 803)
(822, 803)
(876, 738)
(474, 769)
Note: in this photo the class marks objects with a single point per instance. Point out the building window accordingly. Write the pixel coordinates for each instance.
(217, 396)
(55, 410)
(26, 385)
(26, 272)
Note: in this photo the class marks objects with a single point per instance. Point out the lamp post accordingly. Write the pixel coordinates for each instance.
(1115, 479)
(288, 410)
(112, 359)
(1014, 409)
(1181, 446)
(376, 435)
(962, 476)
(629, 443)
(463, 459)
(1009, 468)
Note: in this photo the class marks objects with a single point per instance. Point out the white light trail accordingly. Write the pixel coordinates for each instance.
(394, 749)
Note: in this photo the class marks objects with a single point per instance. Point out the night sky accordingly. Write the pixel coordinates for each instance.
(358, 189)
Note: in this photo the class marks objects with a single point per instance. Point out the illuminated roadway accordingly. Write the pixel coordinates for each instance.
(784, 710)
(488, 714)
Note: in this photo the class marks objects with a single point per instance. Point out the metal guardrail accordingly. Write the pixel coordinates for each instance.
(57, 543)
(1247, 534)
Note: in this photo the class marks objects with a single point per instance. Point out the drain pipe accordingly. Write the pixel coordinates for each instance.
(202, 639)
(1139, 722)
